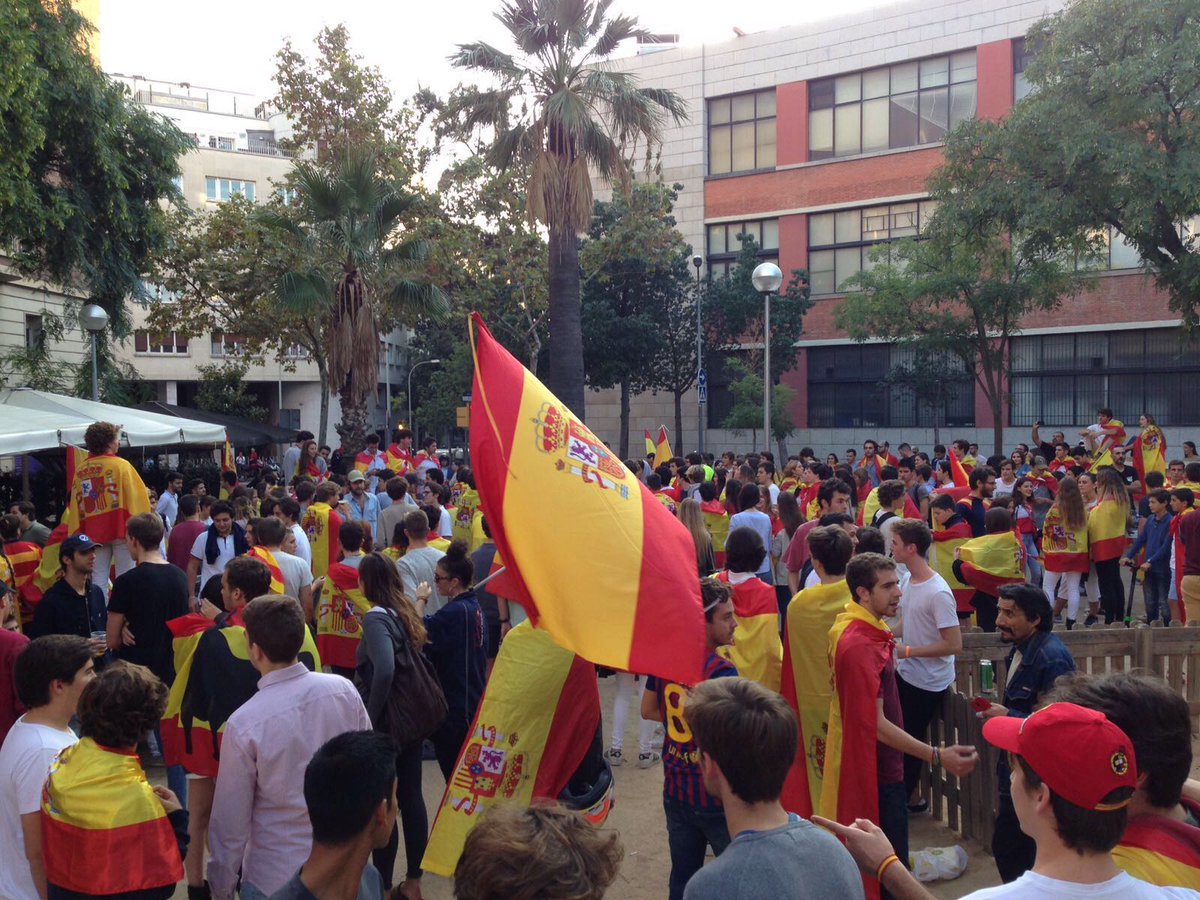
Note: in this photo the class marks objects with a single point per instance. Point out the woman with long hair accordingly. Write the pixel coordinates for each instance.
(790, 519)
(311, 462)
(733, 489)
(1023, 514)
(376, 661)
(1065, 548)
(1149, 449)
(693, 520)
(1107, 525)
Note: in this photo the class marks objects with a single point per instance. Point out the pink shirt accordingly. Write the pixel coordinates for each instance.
(259, 820)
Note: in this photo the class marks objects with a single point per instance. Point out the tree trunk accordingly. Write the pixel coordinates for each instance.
(323, 379)
(679, 448)
(623, 438)
(565, 377)
(353, 427)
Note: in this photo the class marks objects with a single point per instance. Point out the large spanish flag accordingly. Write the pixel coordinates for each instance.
(1063, 549)
(322, 524)
(340, 613)
(860, 646)
(104, 832)
(1161, 851)
(662, 449)
(808, 688)
(756, 651)
(272, 565)
(1150, 453)
(105, 494)
(68, 524)
(716, 520)
(596, 560)
(537, 718)
(993, 560)
(1106, 529)
(945, 541)
(1102, 456)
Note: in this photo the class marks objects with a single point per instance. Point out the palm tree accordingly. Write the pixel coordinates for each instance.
(557, 110)
(363, 270)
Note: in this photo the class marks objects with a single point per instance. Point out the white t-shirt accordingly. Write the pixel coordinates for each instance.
(296, 573)
(225, 552)
(25, 761)
(303, 548)
(925, 608)
(1002, 488)
(1039, 887)
(774, 489)
(445, 524)
(813, 578)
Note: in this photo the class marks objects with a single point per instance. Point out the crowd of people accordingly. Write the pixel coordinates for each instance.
(333, 624)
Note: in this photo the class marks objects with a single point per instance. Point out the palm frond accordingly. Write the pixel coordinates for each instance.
(320, 198)
(599, 11)
(406, 253)
(511, 146)
(618, 29)
(574, 18)
(304, 292)
(598, 148)
(272, 218)
(475, 108)
(484, 57)
(529, 23)
(418, 299)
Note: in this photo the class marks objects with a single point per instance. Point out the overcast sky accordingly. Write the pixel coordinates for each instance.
(231, 45)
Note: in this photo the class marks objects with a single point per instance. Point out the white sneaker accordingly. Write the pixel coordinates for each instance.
(614, 757)
(656, 741)
(646, 760)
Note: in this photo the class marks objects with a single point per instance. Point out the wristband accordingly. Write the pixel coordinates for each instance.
(907, 651)
(504, 621)
(883, 866)
(937, 756)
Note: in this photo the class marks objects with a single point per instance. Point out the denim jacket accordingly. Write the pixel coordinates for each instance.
(1043, 658)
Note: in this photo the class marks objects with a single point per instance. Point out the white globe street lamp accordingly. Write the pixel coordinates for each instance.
(94, 320)
(767, 279)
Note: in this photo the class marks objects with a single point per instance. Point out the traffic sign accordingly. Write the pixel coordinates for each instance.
(463, 416)
(702, 379)
(466, 398)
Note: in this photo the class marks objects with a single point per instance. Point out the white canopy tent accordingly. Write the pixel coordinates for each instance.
(36, 420)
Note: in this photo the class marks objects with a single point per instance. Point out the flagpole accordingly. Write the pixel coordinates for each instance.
(482, 581)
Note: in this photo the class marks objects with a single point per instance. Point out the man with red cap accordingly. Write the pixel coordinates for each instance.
(1073, 776)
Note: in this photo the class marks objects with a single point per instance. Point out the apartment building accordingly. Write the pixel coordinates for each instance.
(818, 141)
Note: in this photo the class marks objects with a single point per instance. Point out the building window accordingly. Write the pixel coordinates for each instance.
(904, 105)
(724, 244)
(227, 344)
(286, 195)
(35, 334)
(168, 343)
(847, 389)
(220, 143)
(741, 133)
(838, 242)
(218, 190)
(1021, 56)
(1062, 379)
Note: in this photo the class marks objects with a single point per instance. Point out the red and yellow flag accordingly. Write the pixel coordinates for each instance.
(756, 651)
(537, 718)
(957, 473)
(400, 461)
(1150, 453)
(24, 558)
(662, 448)
(992, 560)
(340, 613)
(322, 524)
(1106, 529)
(860, 646)
(650, 448)
(1161, 851)
(105, 494)
(1063, 549)
(272, 565)
(716, 520)
(945, 541)
(606, 570)
(67, 525)
(807, 686)
(104, 831)
(1103, 453)
(466, 521)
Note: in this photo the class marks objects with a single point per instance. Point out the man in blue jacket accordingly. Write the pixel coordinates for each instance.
(1155, 538)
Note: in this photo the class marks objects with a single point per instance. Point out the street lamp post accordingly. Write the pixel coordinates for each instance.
(767, 279)
(412, 426)
(701, 380)
(94, 320)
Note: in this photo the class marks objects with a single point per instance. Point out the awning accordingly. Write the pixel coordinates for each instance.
(242, 432)
(37, 420)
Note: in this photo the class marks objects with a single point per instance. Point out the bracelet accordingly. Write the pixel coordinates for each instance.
(907, 651)
(883, 866)
(504, 621)
(937, 756)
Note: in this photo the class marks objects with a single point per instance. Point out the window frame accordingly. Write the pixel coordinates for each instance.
(148, 343)
(727, 124)
(845, 247)
(719, 265)
(213, 192)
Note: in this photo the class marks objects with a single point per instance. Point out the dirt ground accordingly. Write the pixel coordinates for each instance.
(638, 816)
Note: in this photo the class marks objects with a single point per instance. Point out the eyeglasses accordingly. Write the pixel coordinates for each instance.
(437, 577)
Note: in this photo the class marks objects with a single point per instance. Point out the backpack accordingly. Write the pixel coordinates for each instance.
(416, 705)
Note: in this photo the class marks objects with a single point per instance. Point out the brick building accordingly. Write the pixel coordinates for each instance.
(818, 140)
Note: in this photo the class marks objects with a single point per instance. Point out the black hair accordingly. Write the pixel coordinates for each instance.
(344, 783)
(744, 551)
(350, 536)
(1031, 601)
(53, 657)
(748, 497)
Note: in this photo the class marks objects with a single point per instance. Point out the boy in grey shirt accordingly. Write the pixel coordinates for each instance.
(746, 738)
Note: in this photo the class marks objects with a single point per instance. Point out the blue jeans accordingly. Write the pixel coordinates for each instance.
(1155, 588)
(1032, 561)
(249, 892)
(690, 832)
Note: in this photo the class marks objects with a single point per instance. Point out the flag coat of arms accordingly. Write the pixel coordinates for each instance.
(322, 524)
(595, 559)
(340, 613)
(68, 524)
(1150, 453)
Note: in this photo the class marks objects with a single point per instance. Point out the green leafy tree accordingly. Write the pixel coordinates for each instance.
(352, 215)
(37, 366)
(83, 169)
(1109, 137)
(118, 382)
(747, 411)
(557, 111)
(223, 389)
(674, 365)
(931, 379)
(633, 261)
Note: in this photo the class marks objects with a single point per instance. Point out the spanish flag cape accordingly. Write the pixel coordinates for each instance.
(272, 565)
(1150, 453)
(662, 447)
(1106, 529)
(213, 677)
(756, 651)
(716, 520)
(860, 647)
(321, 524)
(24, 558)
(1161, 851)
(1063, 549)
(104, 831)
(228, 464)
(340, 613)
(535, 723)
(992, 560)
(869, 507)
(808, 687)
(364, 460)
(947, 538)
(400, 460)
(612, 576)
(1103, 457)
(105, 494)
(873, 468)
(467, 519)
(806, 497)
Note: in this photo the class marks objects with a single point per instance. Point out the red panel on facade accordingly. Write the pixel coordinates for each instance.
(994, 75)
(797, 379)
(793, 244)
(791, 123)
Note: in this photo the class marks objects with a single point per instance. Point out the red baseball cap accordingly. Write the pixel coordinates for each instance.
(1077, 752)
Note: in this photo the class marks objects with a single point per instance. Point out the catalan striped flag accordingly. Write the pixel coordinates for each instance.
(662, 447)
(807, 686)
(1161, 851)
(537, 718)
(860, 646)
(650, 448)
(322, 524)
(756, 651)
(68, 524)
(272, 565)
(340, 613)
(1106, 529)
(104, 832)
(991, 561)
(605, 569)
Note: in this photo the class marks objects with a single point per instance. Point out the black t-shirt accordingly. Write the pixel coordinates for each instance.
(148, 596)
(973, 510)
(1128, 475)
(62, 610)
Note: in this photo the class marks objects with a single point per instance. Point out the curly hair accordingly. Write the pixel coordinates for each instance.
(543, 852)
(99, 436)
(121, 704)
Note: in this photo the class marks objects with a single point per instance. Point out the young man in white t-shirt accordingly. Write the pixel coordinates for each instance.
(931, 638)
(50, 675)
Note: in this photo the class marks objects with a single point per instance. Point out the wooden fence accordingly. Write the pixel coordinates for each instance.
(969, 804)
